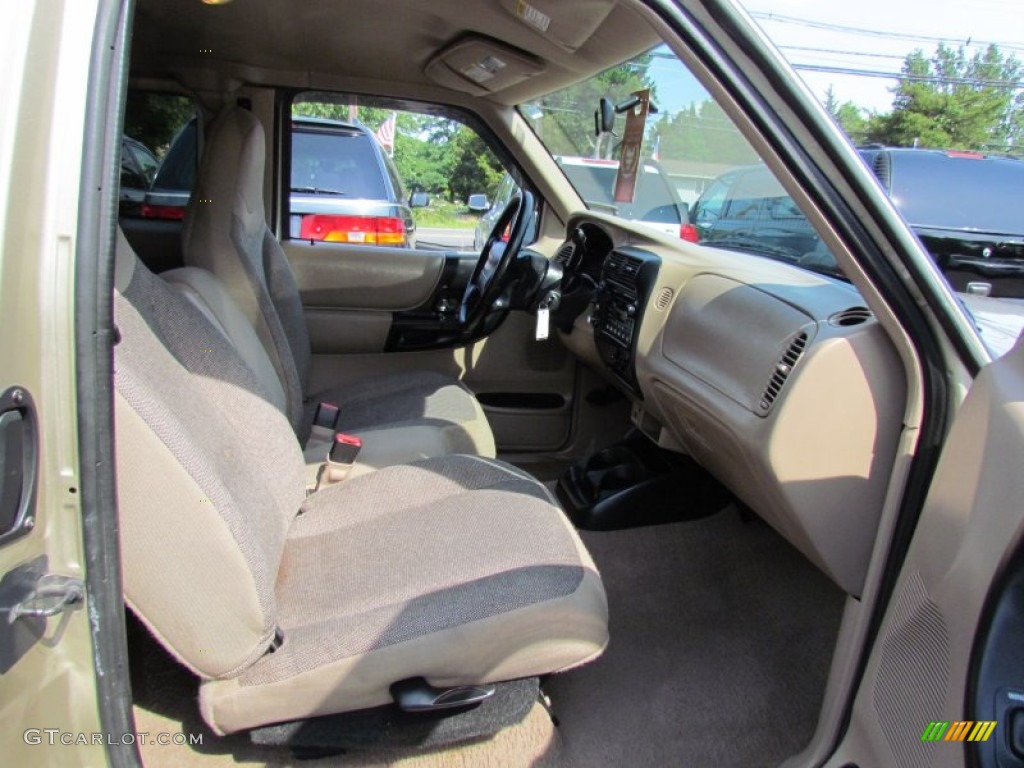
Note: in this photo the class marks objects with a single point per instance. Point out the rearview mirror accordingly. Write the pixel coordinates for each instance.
(419, 200)
(604, 116)
(478, 203)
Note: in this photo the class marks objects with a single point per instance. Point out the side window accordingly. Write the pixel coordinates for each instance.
(160, 148)
(369, 175)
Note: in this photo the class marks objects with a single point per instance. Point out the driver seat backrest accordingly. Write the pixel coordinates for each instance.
(226, 232)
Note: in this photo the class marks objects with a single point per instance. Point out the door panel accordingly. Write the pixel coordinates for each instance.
(48, 680)
(359, 277)
(973, 520)
(526, 386)
(341, 331)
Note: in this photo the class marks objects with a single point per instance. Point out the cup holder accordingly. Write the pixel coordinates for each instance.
(636, 483)
(616, 477)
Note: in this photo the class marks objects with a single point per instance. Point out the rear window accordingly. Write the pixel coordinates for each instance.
(981, 195)
(338, 162)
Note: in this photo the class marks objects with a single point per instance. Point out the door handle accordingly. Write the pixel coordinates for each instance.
(53, 594)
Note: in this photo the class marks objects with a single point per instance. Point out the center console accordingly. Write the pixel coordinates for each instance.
(627, 277)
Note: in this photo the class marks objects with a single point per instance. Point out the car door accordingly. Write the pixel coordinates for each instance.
(47, 681)
(374, 307)
(944, 683)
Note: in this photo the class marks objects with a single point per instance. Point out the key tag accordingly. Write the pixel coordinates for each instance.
(543, 323)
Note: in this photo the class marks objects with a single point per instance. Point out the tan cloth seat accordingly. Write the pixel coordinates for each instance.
(459, 569)
(413, 415)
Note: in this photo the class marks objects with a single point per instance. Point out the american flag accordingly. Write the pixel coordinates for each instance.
(386, 134)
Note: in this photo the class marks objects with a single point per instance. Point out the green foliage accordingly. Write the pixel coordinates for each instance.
(432, 153)
(704, 133)
(473, 167)
(155, 118)
(848, 115)
(955, 101)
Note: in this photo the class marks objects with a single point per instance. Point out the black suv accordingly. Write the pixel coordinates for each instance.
(965, 207)
(344, 187)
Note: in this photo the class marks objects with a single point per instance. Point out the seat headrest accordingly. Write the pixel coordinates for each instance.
(229, 186)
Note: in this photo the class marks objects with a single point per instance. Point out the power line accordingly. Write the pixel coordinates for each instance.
(811, 49)
(1010, 84)
(831, 27)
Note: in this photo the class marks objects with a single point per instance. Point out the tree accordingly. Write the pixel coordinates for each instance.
(567, 116)
(154, 118)
(703, 132)
(848, 115)
(955, 101)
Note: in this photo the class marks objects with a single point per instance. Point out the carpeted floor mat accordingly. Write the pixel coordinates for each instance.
(721, 638)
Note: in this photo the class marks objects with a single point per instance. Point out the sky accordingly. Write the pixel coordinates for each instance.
(904, 24)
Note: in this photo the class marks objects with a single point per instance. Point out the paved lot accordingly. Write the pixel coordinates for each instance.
(455, 239)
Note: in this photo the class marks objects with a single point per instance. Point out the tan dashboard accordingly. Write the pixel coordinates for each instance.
(778, 381)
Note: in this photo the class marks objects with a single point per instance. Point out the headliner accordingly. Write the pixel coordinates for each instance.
(319, 43)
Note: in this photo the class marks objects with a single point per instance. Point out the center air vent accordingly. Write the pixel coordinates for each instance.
(851, 316)
(782, 370)
(622, 269)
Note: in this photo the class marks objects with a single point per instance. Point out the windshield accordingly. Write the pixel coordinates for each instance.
(697, 176)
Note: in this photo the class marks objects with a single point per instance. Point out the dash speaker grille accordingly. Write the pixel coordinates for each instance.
(913, 674)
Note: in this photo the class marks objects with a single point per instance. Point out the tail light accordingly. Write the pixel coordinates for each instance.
(507, 233)
(167, 212)
(689, 233)
(367, 230)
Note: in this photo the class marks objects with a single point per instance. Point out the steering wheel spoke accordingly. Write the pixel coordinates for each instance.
(492, 274)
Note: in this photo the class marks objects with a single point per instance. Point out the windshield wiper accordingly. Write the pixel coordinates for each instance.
(319, 190)
(609, 207)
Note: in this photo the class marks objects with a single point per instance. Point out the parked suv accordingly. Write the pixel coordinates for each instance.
(965, 208)
(344, 187)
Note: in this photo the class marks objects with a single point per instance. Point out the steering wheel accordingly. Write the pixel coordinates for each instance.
(492, 271)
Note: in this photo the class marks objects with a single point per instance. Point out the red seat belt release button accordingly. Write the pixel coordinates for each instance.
(345, 448)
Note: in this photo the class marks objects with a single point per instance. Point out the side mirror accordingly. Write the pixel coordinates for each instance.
(604, 117)
(419, 200)
(478, 203)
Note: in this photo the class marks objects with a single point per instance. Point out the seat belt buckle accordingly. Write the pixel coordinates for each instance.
(340, 459)
(344, 449)
(325, 422)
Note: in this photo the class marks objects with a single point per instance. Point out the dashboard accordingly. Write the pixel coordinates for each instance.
(778, 381)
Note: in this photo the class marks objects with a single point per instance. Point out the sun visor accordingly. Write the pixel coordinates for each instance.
(479, 66)
(566, 24)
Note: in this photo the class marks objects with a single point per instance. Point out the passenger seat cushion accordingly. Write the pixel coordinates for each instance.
(517, 596)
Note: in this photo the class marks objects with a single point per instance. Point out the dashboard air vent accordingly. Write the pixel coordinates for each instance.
(783, 368)
(851, 316)
(564, 255)
(622, 269)
(664, 299)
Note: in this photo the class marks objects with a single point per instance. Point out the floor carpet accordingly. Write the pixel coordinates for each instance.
(721, 637)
